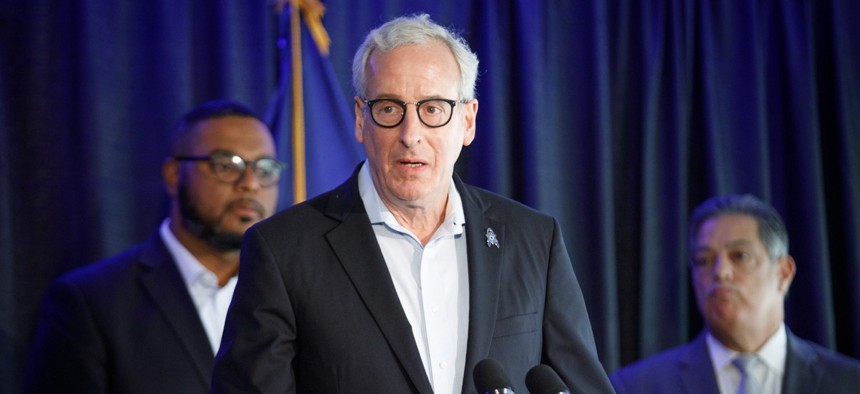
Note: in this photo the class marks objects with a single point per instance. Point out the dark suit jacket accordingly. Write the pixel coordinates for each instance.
(124, 325)
(809, 369)
(315, 309)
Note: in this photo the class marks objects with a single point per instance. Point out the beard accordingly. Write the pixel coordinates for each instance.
(206, 229)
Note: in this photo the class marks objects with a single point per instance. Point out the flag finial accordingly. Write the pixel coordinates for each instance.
(313, 11)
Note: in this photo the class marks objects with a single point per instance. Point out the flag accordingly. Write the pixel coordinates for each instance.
(309, 115)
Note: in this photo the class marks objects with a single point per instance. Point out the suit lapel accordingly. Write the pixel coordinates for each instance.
(485, 262)
(161, 280)
(695, 368)
(355, 245)
(802, 371)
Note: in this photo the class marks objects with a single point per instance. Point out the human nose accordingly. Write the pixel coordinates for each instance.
(722, 268)
(411, 127)
(248, 180)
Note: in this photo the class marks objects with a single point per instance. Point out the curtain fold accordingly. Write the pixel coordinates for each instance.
(617, 118)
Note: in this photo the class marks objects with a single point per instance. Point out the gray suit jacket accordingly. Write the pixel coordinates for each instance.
(809, 369)
(123, 325)
(315, 309)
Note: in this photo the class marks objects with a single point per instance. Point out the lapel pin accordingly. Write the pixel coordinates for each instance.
(492, 239)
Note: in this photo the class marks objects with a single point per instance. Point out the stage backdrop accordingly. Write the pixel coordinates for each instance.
(615, 117)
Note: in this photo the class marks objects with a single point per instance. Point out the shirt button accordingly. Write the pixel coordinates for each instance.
(443, 365)
(434, 308)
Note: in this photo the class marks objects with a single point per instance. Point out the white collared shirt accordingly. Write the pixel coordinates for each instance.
(768, 371)
(211, 300)
(432, 283)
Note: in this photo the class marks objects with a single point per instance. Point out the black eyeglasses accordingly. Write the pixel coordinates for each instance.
(229, 167)
(432, 112)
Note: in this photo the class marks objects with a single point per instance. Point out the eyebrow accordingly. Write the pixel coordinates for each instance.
(386, 96)
(732, 244)
(740, 242)
(229, 152)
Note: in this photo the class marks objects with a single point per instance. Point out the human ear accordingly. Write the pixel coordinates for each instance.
(359, 120)
(170, 176)
(787, 270)
(471, 112)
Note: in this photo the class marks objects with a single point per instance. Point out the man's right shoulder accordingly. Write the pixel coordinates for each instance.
(653, 372)
(322, 210)
(663, 358)
(105, 270)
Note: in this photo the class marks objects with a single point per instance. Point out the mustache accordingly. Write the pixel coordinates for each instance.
(248, 201)
(720, 286)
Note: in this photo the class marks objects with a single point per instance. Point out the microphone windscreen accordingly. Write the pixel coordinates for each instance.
(489, 376)
(542, 379)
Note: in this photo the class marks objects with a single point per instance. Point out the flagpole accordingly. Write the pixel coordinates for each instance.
(298, 137)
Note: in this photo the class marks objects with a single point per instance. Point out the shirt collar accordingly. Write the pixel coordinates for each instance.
(773, 352)
(379, 213)
(189, 267)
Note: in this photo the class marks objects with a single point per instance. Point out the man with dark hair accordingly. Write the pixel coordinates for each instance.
(149, 320)
(741, 272)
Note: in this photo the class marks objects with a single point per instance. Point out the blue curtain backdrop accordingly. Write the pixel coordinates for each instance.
(616, 117)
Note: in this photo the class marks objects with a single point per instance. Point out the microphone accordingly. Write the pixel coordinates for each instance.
(543, 380)
(491, 378)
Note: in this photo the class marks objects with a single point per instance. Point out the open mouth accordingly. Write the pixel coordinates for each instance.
(411, 163)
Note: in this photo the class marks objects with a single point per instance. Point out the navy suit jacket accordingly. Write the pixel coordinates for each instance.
(809, 369)
(125, 325)
(315, 309)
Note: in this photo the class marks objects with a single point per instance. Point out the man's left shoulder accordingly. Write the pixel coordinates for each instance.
(832, 361)
(499, 204)
(835, 358)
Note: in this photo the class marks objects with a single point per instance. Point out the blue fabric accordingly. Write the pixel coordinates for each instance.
(331, 151)
(614, 117)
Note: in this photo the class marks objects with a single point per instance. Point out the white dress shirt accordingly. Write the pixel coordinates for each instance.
(210, 299)
(432, 283)
(768, 372)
